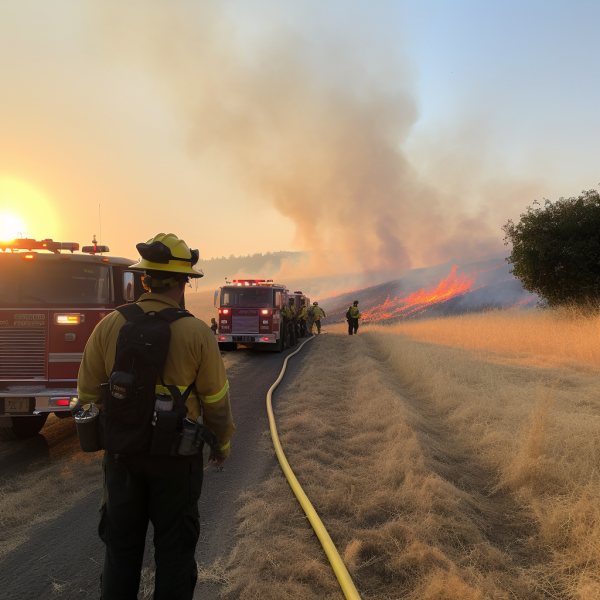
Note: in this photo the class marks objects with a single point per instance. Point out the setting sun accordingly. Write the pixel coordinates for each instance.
(10, 227)
(25, 211)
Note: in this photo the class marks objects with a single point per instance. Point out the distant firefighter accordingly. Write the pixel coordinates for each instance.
(302, 320)
(288, 328)
(214, 326)
(319, 312)
(310, 319)
(352, 316)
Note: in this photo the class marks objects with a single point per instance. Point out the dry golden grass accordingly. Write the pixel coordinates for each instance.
(548, 337)
(440, 473)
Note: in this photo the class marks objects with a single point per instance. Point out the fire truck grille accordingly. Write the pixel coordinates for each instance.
(244, 324)
(22, 353)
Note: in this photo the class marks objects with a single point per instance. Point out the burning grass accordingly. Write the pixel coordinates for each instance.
(439, 473)
(449, 287)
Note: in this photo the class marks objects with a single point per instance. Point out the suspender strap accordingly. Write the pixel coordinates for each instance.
(130, 310)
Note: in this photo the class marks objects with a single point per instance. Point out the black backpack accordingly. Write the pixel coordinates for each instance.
(128, 420)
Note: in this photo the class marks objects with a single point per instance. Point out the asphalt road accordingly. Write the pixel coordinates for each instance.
(61, 558)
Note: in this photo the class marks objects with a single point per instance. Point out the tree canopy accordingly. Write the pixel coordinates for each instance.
(556, 249)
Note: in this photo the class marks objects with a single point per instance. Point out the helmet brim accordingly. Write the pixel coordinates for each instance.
(183, 268)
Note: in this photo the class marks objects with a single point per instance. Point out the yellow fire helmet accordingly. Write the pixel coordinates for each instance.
(166, 252)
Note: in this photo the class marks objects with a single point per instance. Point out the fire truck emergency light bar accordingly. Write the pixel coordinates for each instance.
(95, 249)
(252, 281)
(29, 244)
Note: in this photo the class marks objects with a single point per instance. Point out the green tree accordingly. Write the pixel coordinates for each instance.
(556, 249)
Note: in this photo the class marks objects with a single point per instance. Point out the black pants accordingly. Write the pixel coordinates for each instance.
(165, 490)
(302, 327)
(352, 325)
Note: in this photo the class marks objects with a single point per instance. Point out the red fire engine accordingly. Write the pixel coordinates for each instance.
(50, 301)
(250, 314)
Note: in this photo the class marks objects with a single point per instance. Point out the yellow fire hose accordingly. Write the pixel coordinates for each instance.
(335, 559)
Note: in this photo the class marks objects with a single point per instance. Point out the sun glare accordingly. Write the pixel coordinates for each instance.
(25, 211)
(10, 227)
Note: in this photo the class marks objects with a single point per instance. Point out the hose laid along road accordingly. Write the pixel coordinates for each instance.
(339, 568)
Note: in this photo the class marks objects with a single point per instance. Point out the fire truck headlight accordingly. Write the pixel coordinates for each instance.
(72, 319)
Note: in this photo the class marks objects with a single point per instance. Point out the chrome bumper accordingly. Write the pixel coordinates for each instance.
(46, 399)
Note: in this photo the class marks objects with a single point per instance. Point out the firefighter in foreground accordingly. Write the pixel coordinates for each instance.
(319, 312)
(151, 434)
(352, 316)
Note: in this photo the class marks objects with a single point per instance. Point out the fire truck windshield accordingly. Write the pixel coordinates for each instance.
(259, 297)
(44, 282)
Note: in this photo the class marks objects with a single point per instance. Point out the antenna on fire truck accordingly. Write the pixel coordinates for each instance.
(100, 226)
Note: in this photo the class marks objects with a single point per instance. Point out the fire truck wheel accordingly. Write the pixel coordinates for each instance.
(23, 427)
(285, 339)
(279, 346)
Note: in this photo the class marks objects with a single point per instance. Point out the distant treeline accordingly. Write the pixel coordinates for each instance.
(252, 265)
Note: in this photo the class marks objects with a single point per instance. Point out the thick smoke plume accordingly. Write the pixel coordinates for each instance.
(316, 130)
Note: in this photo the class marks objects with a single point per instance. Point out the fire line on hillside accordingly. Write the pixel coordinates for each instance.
(449, 290)
(449, 287)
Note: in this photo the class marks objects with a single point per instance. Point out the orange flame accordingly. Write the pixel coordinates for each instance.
(450, 287)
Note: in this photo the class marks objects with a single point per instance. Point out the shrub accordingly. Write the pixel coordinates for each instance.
(556, 249)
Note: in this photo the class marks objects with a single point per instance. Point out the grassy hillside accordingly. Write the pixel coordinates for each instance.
(443, 290)
(455, 458)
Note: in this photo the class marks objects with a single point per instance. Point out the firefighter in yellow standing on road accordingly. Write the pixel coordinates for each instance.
(319, 312)
(310, 319)
(291, 315)
(302, 319)
(141, 487)
(353, 315)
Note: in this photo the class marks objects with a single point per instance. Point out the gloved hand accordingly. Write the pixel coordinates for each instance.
(213, 457)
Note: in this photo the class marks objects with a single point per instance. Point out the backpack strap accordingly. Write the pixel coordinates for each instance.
(130, 310)
(171, 315)
(179, 399)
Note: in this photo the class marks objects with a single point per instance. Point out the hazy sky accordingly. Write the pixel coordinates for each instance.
(386, 134)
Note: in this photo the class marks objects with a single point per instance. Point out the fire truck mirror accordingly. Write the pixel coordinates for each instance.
(128, 292)
(216, 298)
